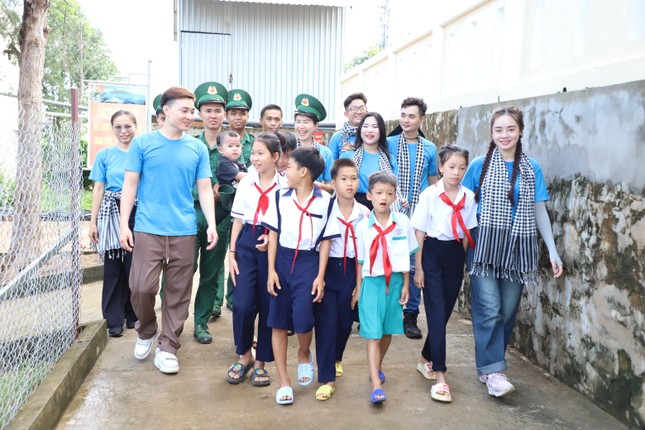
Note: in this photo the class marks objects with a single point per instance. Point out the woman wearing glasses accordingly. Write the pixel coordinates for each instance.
(108, 173)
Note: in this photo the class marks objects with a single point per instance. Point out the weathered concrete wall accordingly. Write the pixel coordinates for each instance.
(588, 328)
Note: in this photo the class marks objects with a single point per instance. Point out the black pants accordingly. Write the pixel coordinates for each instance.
(115, 303)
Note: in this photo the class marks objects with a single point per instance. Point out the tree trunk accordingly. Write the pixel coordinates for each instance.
(25, 237)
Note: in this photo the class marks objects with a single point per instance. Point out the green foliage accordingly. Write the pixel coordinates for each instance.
(366, 55)
(75, 51)
(10, 21)
(7, 189)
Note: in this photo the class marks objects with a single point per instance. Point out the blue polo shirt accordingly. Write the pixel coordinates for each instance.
(336, 146)
(474, 172)
(109, 168)
(429, 160)
(168, 170)
(368, 166)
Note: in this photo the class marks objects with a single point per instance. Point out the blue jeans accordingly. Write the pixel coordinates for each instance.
(412, 306)
(494, 304)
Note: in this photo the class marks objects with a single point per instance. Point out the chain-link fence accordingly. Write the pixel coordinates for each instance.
(40, 270)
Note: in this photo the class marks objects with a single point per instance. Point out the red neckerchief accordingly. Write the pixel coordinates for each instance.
(349, 228)
(380, 238)
(263, 203)
(457, 218)
(303, 211)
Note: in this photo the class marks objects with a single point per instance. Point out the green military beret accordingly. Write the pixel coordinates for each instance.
(156, 105)
(239, 99)
(210, 92)
(311, 105)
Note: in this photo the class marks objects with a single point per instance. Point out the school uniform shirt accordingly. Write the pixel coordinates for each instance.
(284, 218)
(340, 248)
(474, 172)
(401, 243)
(168, 169)
(429, 160)
(247, 197)
(109, 168)
(335, 145)
(434, 217)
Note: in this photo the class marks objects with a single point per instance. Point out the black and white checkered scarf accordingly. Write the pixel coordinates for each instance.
(508, 246)
(347, 131)
(107, 222)
(313, 143)
(403, 161)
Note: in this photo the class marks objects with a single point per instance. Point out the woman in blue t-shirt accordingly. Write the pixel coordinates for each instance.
(371, 153)
(108, 173)
(506, 247)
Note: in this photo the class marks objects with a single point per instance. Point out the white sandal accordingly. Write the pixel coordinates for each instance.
(426, 370)
(445, 397)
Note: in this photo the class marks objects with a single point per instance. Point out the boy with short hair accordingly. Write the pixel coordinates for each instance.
(299, 231)
(334, 315)
(385, 240)
(229, 169)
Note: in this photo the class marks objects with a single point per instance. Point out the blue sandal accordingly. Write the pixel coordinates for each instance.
(378, 396)
(306, 370)
(381, 376)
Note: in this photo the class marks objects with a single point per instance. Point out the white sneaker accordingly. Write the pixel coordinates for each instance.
(498, 384)
(482, 379)
(166, 362)
(143, 347)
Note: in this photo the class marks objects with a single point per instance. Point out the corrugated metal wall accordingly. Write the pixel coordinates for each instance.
(272, 51)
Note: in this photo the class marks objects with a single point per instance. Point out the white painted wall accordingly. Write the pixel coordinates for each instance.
(477, 52)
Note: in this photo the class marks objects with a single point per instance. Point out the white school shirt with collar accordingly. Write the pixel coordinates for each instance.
(434, 217)
(359, 212)
(247, 197)
(286, 223)
(401, 243)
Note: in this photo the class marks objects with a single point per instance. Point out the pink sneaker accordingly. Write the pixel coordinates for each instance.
(498, 384)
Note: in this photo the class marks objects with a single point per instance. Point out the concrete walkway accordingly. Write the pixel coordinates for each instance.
(123, 393)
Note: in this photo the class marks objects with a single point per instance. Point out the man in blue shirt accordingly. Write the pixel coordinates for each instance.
(160, 171)
(343, 141)
(416, 159)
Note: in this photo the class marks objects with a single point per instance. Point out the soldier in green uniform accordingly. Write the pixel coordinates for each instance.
(156, 105)
(210, 100)
(237, 115)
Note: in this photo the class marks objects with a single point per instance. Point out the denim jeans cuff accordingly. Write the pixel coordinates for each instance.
(492, 368)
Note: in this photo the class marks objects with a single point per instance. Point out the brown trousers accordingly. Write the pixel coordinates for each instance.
(175, 255)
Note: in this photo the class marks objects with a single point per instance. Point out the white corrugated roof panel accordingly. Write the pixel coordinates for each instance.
(334, 3)
(274, 52)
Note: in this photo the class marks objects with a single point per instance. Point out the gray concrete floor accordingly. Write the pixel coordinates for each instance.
(123, 393)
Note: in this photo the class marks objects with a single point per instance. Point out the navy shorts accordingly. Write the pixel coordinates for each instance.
(292, 308)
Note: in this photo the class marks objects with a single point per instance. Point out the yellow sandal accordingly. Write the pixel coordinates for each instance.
(339, 369)
(324, 392)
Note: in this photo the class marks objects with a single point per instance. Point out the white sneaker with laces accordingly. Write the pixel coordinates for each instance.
(166, 362)
(143, 347)
(498, 384)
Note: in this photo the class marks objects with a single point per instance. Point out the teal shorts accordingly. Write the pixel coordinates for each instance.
(380, 313)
